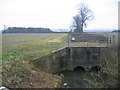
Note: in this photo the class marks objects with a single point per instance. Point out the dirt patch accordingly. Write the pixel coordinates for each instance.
(54, 40)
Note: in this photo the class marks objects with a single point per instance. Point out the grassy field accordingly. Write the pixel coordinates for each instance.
(18, 53)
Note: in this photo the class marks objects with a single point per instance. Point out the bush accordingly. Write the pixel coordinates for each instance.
(108, 76)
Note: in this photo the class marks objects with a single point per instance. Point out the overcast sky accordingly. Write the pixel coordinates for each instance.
(56, 14)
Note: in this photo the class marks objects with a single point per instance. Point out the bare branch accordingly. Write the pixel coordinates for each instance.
(81, 19)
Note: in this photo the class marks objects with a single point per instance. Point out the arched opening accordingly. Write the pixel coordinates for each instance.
(79, 68)
(95, 69)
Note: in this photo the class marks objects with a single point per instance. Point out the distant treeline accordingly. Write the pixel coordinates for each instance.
(26, 30)
(116, 31)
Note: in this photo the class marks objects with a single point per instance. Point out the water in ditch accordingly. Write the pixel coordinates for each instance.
(76, 79)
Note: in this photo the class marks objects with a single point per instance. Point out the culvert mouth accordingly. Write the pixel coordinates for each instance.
(79, 68)
(95, 69)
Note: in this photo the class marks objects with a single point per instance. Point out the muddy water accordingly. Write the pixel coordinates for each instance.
(75, 79)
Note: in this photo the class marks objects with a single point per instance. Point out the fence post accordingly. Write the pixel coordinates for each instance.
(107, 40)
(68, 39)
(110, 40)
(113, 39)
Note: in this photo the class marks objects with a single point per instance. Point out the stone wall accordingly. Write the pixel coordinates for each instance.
(68, 58)
(85, 56)
(55, 61)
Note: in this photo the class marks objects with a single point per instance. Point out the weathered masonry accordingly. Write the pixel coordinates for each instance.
(68, 58)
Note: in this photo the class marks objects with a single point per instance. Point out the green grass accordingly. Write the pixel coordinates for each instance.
(19, 51)
(87, 44)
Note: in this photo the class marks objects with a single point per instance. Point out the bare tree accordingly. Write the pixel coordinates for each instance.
(4, 27)
(83, 16)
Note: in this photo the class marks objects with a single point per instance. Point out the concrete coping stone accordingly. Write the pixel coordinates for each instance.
(79, 47)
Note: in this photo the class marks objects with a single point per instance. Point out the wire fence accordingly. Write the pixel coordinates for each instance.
(90, 39)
